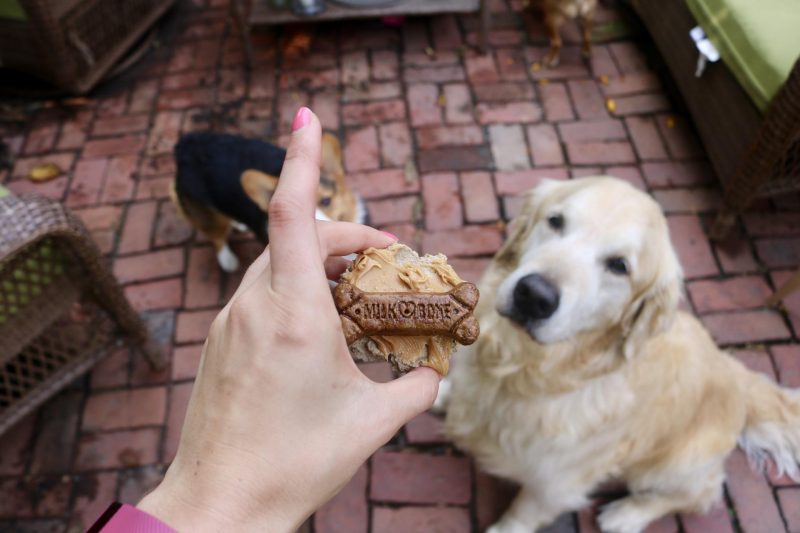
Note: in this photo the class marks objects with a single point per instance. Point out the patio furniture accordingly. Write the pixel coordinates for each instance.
(250, 13)
(72, 43)
(61, 310)
(745, 108)
(791, 285)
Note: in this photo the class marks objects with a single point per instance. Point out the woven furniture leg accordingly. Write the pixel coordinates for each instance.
(770, 156)
(240, 10)
(784, 290)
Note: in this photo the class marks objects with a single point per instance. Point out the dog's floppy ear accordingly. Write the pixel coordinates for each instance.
(653, 311)
(520, 227)
(331, 160)
(259, 187)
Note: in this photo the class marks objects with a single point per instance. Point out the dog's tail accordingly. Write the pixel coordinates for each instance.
(772, 426)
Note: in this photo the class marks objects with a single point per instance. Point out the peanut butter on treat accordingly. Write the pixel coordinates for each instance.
(406, 309)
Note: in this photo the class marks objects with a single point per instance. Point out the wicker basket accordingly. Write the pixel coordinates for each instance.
(73, 43)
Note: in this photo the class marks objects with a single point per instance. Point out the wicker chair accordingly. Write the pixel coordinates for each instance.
(771, 164)
(754, 153)
(61, 309)
(73, 43)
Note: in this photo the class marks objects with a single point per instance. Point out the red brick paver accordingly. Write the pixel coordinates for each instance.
(439, 140)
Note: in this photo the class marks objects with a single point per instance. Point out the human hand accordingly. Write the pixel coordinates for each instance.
(280, 417)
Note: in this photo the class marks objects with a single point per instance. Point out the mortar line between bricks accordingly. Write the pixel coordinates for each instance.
(413, 159)
(76, 447)
(729, 506)
(395, 504)
(751, 243)
(187, 255)
(162, 441)
(473, 494)
(775, 491)
(528, 145)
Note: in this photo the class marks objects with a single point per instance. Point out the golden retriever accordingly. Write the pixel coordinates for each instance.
(586, 371)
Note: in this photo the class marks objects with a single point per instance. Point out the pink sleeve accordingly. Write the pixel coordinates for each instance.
(124, 518)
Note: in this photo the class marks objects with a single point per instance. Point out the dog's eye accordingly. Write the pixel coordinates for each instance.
(617, 265)
(325, 201)
(556, 222)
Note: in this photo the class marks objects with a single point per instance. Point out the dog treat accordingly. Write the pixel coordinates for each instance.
(392, 313)
(409, 310)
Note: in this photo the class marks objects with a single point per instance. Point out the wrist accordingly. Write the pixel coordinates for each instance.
(189, 505)
(163, 505)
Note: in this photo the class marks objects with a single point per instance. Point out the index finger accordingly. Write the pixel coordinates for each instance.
(293, 242)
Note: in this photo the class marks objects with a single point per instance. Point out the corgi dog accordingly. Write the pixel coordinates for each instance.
(226, 181)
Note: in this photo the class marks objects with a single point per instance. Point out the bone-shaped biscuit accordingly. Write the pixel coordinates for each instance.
(408, 313)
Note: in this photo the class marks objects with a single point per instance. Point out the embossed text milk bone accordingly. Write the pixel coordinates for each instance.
(408, 313)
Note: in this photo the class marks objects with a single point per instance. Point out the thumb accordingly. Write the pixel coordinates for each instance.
(409, 395)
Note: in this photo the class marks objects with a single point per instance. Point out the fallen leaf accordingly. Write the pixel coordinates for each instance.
(441, 101)
(44, 172)
(509, 61)
(604, 79)
(543, 82)
(536, 67)
(76, 101)
(430, 52)
(670, 122)
(611, 105)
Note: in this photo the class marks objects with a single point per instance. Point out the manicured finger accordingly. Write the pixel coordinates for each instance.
(342, 238)
(294, 254)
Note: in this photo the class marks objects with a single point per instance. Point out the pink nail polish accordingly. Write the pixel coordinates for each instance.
(391, 235)
(302, 118)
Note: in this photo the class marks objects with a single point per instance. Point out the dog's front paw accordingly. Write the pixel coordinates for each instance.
(227, 260)
(622, 516)
(238, 226)
(509, 524)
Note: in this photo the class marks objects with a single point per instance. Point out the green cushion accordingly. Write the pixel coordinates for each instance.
(12, 9)
(27, 281)
(759, 40)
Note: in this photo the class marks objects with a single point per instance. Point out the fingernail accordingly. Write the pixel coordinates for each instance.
(302, 118)
(391, 235)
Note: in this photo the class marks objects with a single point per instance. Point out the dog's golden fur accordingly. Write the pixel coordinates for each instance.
(646, 398)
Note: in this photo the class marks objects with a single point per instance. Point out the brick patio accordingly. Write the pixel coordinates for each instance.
(438, 139)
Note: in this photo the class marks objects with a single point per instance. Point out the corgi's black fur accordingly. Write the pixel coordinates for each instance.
(209, 166)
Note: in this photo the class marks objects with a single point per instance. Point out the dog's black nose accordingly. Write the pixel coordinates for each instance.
(535, 297)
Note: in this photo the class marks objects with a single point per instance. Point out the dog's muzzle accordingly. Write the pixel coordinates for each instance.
(535, 298)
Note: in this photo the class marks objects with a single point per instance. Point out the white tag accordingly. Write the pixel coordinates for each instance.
(701, 66)
(706, 48)
(697, 33)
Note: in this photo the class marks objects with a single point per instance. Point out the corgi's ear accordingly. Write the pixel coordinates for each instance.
(331, 160)
(259, 187)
